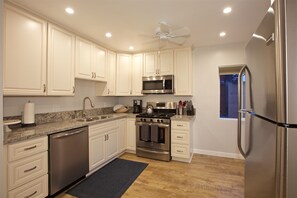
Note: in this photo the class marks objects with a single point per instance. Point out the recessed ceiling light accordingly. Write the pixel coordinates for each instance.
(222, 34)
(227, 10)
(108, 34)
(131, 48)
(69, 10)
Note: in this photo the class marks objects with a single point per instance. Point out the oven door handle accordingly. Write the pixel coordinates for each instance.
(150, 124)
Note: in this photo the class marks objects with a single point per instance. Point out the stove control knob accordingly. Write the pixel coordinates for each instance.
(158, 120)
(161, 120)
(151, 120)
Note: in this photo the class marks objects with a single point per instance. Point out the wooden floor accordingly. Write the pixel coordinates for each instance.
(204, 177)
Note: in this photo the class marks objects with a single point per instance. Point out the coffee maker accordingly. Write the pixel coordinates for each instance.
(137, 106)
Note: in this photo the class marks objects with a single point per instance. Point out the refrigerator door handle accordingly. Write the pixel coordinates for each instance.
(241, 110)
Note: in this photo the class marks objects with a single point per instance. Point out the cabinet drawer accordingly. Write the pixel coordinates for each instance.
(26, 148)
(180, 125)
(180, 151)
(27, 169)
(35, 188)
(181, 138)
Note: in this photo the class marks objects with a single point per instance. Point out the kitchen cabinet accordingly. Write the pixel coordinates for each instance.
(131, 135)
(124, 75)
(110, 89)
(103, 143)
(60, 65)
(137, 66)
(181, 141)
(183, 72)
(24, 66)
(27, 168)
(122, 137)
(158, 63)
(90, 61)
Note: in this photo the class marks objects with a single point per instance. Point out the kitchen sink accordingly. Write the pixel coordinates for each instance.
(94, 118)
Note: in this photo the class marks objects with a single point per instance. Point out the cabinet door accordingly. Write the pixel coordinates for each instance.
(99, 66)
(183, 71)
(24, 67)
(131, 134)
(112, 143)
(60, 68)
(150, 64)
(124, 71)
(96, 150)
(137, 74)
(165, 62)
(83, 63)
(111, 73)
(122, 135)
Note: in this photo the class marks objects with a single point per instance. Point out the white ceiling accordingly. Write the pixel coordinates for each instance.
(130, 20)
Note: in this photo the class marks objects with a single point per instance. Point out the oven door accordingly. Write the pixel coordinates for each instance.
(153, 136)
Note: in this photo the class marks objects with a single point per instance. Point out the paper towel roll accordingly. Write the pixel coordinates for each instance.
(29, 113)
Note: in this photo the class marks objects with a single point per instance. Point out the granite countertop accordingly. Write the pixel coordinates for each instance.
(182, 118)
(21, 134)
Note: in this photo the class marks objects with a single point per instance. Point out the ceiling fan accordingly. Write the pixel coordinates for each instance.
(170, 33)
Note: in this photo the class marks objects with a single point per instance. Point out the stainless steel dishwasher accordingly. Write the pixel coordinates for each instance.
(68, 158)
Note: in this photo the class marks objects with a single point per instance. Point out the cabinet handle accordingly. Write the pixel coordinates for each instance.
(179, 151)
(28, 170)
(73, 90)
(104, 137)
(92, 74)
(108, 91)
(107, 137)
(95, 75)
(44, 88)
(130, 92)
(179, 136)
(180, 125)
(28, 196)
(29, 148)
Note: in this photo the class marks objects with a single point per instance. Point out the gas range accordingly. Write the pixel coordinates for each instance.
(155, 117)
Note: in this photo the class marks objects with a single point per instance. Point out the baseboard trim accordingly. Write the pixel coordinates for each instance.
(218, 154)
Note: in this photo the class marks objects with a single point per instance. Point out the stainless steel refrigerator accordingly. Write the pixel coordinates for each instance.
(269, 141)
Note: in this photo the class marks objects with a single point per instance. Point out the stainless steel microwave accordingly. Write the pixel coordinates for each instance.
(158, 84)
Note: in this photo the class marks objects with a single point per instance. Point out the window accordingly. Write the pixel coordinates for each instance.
(229, 91)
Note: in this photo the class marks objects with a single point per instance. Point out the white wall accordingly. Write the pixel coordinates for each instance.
(1, 107)
(14, 105)
(213, 135)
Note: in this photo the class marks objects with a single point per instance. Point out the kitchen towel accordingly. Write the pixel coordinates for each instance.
(29, 113)
(155, 133)
(145, 133)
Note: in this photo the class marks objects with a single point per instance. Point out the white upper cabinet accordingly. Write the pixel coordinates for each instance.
(158, 63)
(24, 66)
(100, 62)
(183, 72)
(137, 66)
(111, 73)
(60, 65)
(90, 61)
(124, 71)
(165, 62)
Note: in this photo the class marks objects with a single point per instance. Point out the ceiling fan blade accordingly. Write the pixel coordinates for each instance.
(177, 40)
(165, 27)
(184, 31)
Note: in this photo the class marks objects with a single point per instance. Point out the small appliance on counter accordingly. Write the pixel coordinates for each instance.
(137, 106)
(28, 118)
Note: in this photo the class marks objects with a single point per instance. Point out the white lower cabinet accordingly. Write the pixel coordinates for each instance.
(103, 143)
(122, 135)
(131, 134)
(181, 140)
(27, 168)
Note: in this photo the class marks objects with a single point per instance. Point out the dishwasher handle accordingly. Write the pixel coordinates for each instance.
(67, 134)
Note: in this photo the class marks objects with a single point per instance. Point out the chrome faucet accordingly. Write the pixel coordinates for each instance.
(84, 106)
